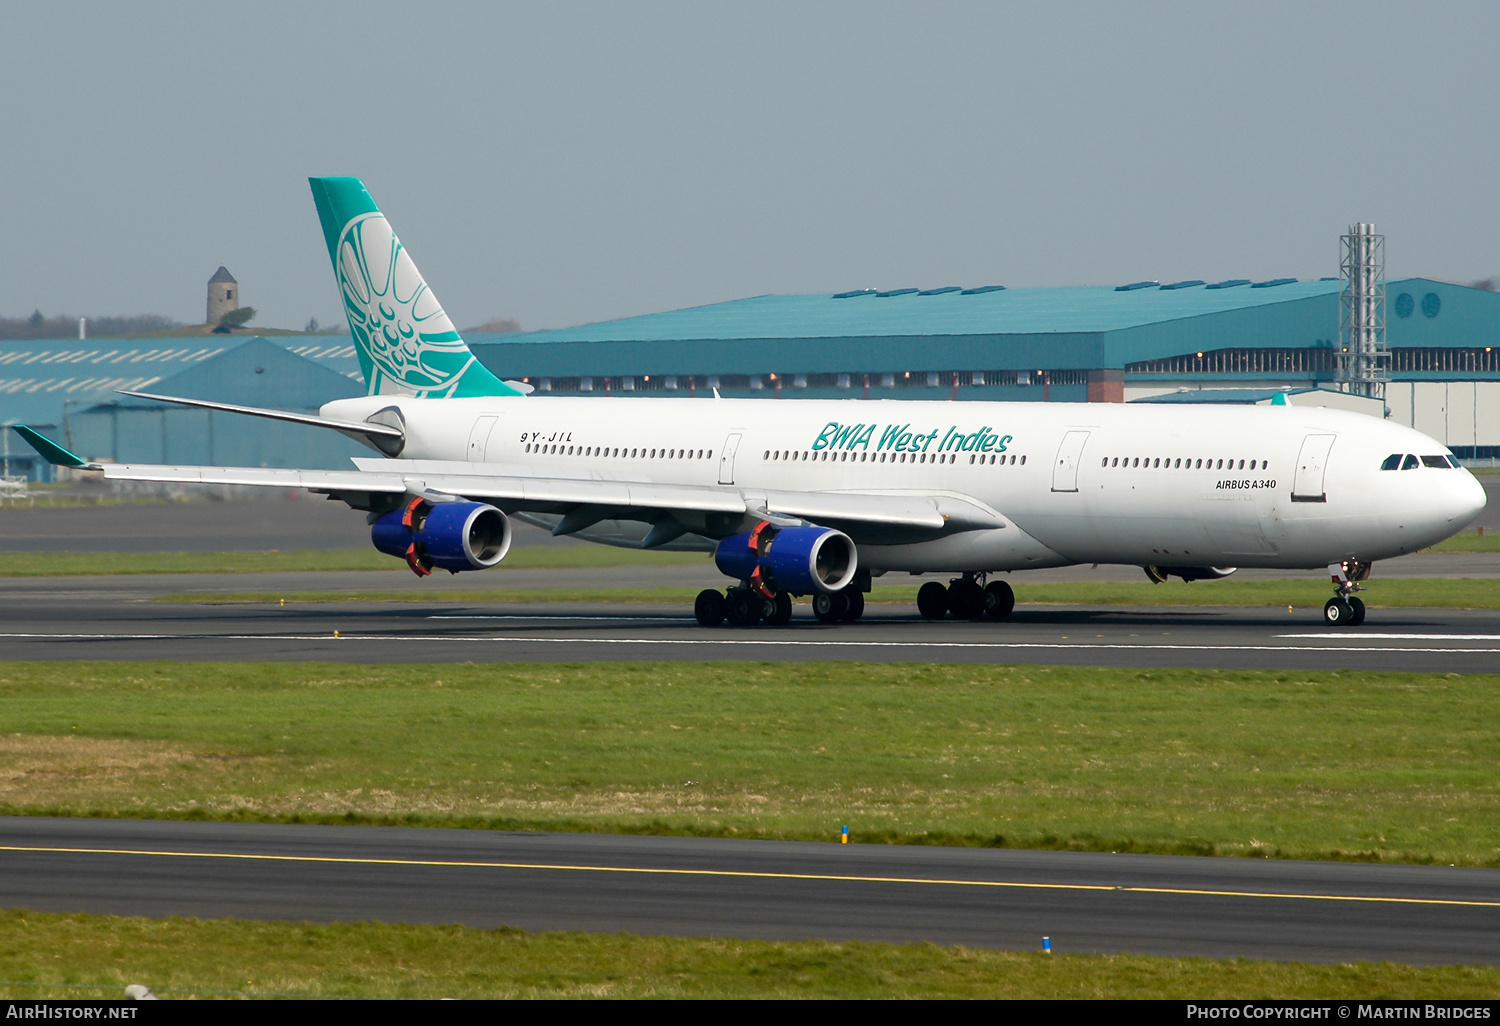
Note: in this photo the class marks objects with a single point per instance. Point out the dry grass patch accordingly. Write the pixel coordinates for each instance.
(1395, 767)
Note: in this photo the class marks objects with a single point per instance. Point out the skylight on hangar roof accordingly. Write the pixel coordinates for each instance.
(999, 311)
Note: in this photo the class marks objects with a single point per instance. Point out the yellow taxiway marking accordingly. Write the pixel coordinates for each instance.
(748, 874)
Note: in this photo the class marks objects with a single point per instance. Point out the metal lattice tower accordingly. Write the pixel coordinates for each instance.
(1364, 358)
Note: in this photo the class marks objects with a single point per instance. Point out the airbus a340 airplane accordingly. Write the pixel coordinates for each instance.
(816, 497)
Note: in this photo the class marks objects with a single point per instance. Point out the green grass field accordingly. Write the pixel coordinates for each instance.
(1395, 767)
(69, 564)
(1390, 593)
(1469, 541)
(75, 956)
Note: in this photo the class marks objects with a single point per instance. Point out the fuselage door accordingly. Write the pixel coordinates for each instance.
(726, 459)
(479, 438)
(1312, 462)
(1065, 469)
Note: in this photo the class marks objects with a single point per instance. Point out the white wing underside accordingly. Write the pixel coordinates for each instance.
(518, 488)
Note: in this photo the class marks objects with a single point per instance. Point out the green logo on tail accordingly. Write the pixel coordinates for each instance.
(406, 343)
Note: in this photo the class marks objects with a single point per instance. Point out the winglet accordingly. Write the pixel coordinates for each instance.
(50, 450)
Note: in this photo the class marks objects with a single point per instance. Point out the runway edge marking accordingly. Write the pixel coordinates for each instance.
(771, 642)
(745, 873)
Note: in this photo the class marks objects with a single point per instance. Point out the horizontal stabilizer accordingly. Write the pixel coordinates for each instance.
(358, 427)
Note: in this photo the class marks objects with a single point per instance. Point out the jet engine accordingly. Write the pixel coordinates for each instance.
(450, 536)
(1158, 574)
(798, 560)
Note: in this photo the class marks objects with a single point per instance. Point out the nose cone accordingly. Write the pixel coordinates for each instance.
(1467, 500)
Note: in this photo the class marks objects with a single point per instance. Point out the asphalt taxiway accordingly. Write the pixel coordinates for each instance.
(53, 622)
(1166, 905)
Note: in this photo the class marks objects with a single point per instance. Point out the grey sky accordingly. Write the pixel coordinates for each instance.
(564, 162)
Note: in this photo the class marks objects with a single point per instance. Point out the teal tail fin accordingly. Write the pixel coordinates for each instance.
(406, 343)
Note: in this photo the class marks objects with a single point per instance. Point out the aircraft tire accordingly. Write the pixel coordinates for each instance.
(709, 608)
(999, 600)
(1338, 612)
(823, 607)
(744, 608)
(965, 600)
(932, 600)
(781, 611)
(1359, 612)
(856, 607)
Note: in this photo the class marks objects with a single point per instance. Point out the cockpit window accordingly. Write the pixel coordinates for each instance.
(1392, 462)
(1440, 462)
(1411, 463)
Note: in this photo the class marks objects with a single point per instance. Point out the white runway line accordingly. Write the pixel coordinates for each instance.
(761, 642)
(539, 616)
(1361, 636)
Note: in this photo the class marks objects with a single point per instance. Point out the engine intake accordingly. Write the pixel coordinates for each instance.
(450, 536)
(798, 560)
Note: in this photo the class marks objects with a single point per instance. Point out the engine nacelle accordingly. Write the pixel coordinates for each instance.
(450, 536)
(799, 560)
(1158, 574)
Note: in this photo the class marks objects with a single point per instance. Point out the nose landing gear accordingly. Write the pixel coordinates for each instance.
(1344, 609)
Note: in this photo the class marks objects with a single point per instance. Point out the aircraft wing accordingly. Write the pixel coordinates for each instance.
(589, 497)
(529, 488)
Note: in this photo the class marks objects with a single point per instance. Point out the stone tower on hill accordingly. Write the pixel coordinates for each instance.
(223, 295)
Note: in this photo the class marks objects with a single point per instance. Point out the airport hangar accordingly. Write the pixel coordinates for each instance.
(1232, 341)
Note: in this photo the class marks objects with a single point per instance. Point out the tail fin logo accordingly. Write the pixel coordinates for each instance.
(396, 320)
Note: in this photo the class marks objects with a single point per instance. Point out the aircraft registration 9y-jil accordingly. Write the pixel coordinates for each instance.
(817, 497)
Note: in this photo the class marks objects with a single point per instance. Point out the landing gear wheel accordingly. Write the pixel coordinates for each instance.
(781, 611)
(965, 600)
(856, 606)
(999, 600)
(1339, 612)
(1359, 612)
(830, 606)
(709, 608)
(744, 608)
(932, 600)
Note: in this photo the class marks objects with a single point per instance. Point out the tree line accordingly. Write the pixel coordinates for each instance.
(66, 325)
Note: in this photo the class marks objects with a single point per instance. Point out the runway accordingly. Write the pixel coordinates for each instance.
(121, 617)
(1166, 905)
(84, 618)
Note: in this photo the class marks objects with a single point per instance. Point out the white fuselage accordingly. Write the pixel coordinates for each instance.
(1166, 485)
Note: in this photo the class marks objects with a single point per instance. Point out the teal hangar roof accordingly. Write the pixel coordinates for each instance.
(38, 376)
(977, 311)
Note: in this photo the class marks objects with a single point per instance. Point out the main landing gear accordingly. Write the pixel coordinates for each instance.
(744, 606)
(1344, 609)
(966, 599)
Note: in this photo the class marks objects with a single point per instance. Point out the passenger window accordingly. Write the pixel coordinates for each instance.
(1440, 462)
(1410, 462)
(1392, 462)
